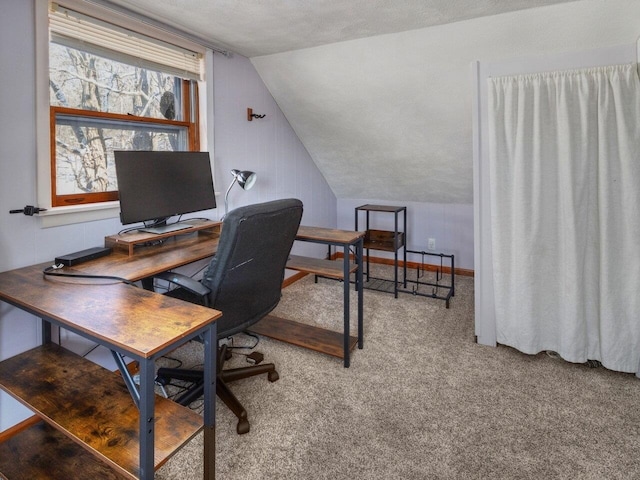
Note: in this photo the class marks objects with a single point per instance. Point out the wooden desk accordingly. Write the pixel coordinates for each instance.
(99, 414)
(142, 325)
(308, 336)
(135, 262)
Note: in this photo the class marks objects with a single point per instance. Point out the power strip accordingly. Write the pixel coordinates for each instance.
(82, 256)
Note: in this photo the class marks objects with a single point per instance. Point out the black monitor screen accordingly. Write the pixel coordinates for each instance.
(157, 185)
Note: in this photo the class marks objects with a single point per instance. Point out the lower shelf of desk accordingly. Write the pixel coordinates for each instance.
(92, 407)
(43, 453)
(302, 335)
(319, 266)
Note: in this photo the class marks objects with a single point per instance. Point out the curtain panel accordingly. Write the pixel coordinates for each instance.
(565, 213)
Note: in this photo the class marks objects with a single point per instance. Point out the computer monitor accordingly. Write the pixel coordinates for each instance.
(154, 186)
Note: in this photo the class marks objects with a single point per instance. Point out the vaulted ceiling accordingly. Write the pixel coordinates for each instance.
(360, 83)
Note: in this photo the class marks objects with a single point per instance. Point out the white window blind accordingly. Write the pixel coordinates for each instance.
(80, 31)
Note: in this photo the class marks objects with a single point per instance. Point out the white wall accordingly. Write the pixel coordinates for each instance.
(267, 146)
(270, 148)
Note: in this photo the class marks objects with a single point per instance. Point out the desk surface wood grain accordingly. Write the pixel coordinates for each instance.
(131, 319)
(93, 406)
(32, 453)
(328, 235)
(156, 257)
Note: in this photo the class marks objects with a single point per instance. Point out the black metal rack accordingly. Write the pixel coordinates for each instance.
(388, 241)
(439, 288)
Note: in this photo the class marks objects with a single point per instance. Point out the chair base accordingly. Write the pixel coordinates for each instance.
(196, 377)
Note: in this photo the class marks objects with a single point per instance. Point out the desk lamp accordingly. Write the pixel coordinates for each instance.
(245, 179)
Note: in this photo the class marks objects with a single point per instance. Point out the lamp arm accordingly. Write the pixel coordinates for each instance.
(226, 196)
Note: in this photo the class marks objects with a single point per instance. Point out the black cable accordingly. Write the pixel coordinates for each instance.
(51, 271)
(91, 350)
(127, 230)
(172, 359)
(251, 347)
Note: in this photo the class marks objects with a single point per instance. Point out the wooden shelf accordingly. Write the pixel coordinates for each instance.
(92, 407)
(43, 453)
(380, 208)
(318, 266)
(386, 241)
(383, 240)
(307, 336)
(128, 241)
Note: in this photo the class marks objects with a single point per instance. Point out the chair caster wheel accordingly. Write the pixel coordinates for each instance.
(243, 427)
(273, 376)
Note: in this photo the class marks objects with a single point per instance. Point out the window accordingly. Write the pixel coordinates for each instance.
(113, 89)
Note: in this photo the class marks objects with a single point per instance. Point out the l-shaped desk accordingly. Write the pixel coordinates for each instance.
(139, 324)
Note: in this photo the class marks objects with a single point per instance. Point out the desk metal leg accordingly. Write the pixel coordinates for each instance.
(346, 285)
(147, 418)
(126, 376)
(360, 289)
(46, 331)
(210, 356)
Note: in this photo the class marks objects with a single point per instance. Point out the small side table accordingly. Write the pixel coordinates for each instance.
(384, 240)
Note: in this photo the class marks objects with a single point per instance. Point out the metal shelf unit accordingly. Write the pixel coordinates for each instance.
(387, 241)
(439, 288)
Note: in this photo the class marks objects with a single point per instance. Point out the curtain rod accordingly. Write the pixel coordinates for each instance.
(160, 25)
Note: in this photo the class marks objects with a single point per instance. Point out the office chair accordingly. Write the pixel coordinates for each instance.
(243, 281)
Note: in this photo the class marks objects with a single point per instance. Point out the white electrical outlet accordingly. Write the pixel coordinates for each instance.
(431, 244)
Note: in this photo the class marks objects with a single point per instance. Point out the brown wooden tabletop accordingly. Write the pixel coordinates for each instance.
(131, 319)
(325, 235)
(152, 259)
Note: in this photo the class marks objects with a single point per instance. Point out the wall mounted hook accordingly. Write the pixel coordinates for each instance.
(251, 115)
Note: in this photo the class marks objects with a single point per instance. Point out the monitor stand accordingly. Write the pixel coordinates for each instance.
(174, 227)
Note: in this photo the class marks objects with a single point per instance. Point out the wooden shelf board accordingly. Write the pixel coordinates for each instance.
(43, 453)
(380, 208)
(319, 266)
(383, 240)
(93, 407)
(307, 336)
(328, 236)
(128, 241)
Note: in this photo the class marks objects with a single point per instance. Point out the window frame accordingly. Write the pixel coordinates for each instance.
(202, 103)
(190, 111)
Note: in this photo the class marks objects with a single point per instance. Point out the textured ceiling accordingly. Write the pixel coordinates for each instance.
(263, 27)
(378, 91)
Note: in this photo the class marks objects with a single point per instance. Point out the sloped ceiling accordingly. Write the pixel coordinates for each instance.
(358, 83)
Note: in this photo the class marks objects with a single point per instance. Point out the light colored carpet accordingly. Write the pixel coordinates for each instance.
(420, 401)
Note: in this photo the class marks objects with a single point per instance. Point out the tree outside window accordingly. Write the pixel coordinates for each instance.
(99, 105)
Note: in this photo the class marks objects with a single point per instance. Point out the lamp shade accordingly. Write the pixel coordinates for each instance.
(246, 179)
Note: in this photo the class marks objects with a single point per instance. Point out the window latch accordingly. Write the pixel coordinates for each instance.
(29, 210)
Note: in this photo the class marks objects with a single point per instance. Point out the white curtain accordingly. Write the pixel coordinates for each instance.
(565, 213)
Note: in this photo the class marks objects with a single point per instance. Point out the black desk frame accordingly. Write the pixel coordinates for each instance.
(358, 245)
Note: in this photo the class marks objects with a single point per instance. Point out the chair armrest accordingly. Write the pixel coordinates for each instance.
(185, 282)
